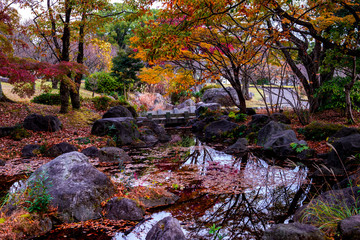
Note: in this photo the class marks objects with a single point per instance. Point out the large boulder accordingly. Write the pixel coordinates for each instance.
(238, 147)
(156, 129)
(270, 129)
(219, 129)
(345, 147)
(114, 154)
(349, 228)
(124, 130)
(77, 188)
(30, 150)
(59, 149)
(123, 209)
(219, 95)
(118, 111)
(293, 231)
(203, 107)
(36, 122)
(166, 229)
(187, 103)
(258, 121)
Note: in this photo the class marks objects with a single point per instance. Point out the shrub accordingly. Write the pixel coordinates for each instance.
(238, 117)
(319, 131)
(209, 86)
(38, 196)
(334, 95)
(19, 134)
(101, 103)
(101, 82)
(47, 99)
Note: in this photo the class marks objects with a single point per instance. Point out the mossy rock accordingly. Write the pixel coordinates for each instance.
(319, 131)
(19, 134)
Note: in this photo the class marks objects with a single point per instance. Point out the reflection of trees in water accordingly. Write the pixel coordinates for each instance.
(241, 216)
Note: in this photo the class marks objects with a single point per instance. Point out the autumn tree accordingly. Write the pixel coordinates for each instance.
(217, 39)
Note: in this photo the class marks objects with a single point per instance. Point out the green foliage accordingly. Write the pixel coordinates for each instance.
(19, 134)
(214, 231)
(101, 103)
(187, 141)
(177, 97)
(263, 81)
(326, 216)
(38, 196)
(125, 69)
(298, 147)
(238, 117)
(47, 99)
(319, 131)
(236, 133)
(333, 94)
(209, 86)
(104, 82)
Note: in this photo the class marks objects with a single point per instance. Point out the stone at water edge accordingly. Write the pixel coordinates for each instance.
(114, 154)
(238, 147)
(293, 231)
(123, 209)
(215, 130)
(166, 229)
(77, 188)
(349, 228)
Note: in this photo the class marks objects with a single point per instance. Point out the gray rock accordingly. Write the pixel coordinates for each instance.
(77, 188)
(345, 147)
(2, 162)
(238, 147)
(349, 228)
(219, 95)
(281, 118)
(113, 154)
(258, 121)
(124, 130)
(266, 132)
(59, 149)
(293, 231)
(91, 151)
(187, 103)
(216, 130)
(166, 229)
(123, 209)
(202, 107)
(30, 150)
(280, 142)
(156, 129)
(36, 122)
(118, 111)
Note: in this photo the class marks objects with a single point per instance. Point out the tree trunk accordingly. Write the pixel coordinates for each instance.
(64, 97)
(55, 83)
(75, 93)
(65, 56)
(348, 87)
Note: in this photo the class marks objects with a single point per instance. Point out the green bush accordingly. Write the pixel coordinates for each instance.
(19, 134)
(38, 195)
(333, 94)
(238, 117)
(319, 131)
(47, 99)
(101, 103)
(101, 82)
(209, 86)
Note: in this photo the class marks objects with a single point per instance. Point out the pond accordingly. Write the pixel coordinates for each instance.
(221, 196)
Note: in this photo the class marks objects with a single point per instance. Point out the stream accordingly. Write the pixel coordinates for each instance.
(221, 196)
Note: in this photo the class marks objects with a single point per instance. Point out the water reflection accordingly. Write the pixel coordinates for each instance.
(263, 195)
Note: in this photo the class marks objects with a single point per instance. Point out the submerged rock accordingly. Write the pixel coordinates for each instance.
(166, 229)
(293, 231)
